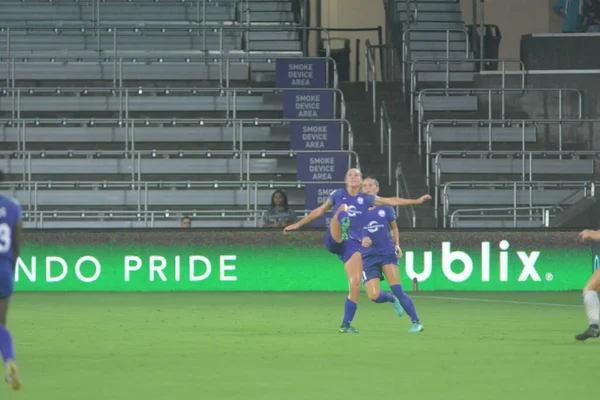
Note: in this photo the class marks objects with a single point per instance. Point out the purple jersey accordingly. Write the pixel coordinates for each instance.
(10, 214)
(357, 208)
(376, 223)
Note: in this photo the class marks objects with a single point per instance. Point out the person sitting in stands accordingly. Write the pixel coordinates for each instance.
(279, 214)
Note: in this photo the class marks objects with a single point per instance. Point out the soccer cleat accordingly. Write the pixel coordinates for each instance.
(346, 328)
(591, 332)
(12, 375)
(397, 307)
(416, 327)
(345, 228)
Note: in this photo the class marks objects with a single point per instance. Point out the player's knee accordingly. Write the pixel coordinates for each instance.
(373, 295)
(355, 285)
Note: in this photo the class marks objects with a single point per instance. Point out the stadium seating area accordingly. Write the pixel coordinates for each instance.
(134, 113)
(489, 161)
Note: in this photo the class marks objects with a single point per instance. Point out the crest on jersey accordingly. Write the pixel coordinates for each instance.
(360, 200)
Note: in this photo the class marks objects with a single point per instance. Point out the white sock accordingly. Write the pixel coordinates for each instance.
(592, 306)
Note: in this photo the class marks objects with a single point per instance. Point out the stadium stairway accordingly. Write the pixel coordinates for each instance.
(404, 146)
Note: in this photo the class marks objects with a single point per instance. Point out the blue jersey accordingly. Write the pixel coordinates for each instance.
(375, 227)
(357, 208)
(10, 214)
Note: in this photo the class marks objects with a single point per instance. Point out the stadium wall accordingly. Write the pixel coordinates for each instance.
(252, 260)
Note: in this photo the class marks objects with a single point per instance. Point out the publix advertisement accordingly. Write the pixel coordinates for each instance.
(255, 260)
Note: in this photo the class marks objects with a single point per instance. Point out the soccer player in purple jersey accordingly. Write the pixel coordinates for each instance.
(344, 234)
(380, 256)
(10, 244)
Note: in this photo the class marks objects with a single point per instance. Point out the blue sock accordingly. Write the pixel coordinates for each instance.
(341, 216)
(6, 345)
(349, 311)
(384, 297)
(406, 302)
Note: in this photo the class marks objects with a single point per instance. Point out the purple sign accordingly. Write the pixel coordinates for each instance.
(300, 73)
(314, 196)
(308, 105)
(321, 167)
(316, 136)
(322, 221)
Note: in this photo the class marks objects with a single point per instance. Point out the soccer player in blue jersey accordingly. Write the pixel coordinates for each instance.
(344, 234)
(380, 256)
(10, 236)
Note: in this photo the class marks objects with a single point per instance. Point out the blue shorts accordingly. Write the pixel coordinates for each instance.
(6, 281)
(343, 250)
(373, 265)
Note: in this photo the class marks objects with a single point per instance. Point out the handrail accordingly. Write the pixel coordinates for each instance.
(371, 76)
(144, 58)
(236, 125)
(505, 122)
(220, 29)
(411, 215)
(135, 157)
(415, 17)
(448, 61)
(385, 134)
(545, 210)
(406, 47)
(142, 187)
(124, 95)
(517, 187)
(526, 158)
(489, 92)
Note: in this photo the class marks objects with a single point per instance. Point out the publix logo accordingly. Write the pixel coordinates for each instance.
(458, 266)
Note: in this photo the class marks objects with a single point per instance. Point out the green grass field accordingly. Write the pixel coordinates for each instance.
(285, 346)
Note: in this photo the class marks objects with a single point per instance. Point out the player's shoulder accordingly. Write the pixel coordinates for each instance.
(337, 193)
(9, 202)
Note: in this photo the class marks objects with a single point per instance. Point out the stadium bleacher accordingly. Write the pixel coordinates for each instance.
(491, 158)
(135, 113)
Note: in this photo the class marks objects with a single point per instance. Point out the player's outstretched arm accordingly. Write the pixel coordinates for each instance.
(589, 234)
(399, 201)
(314, 214)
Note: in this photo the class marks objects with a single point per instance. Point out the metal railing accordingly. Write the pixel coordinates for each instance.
(586, 188)
(543, 214)
(415, 16)
(124, 94)
(490, 124)
(130, 138)
(147, 219)
(385, 137)
(406, 47)
(32, 189)
(402, 191)
(113, 31)
(243, 169)
(225, 62)
(490, 92)
(526, 157)
(448, 61)
(371, 76)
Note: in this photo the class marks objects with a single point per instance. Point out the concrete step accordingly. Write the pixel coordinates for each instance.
(434, 16)
(436, 35)
(439, 6)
